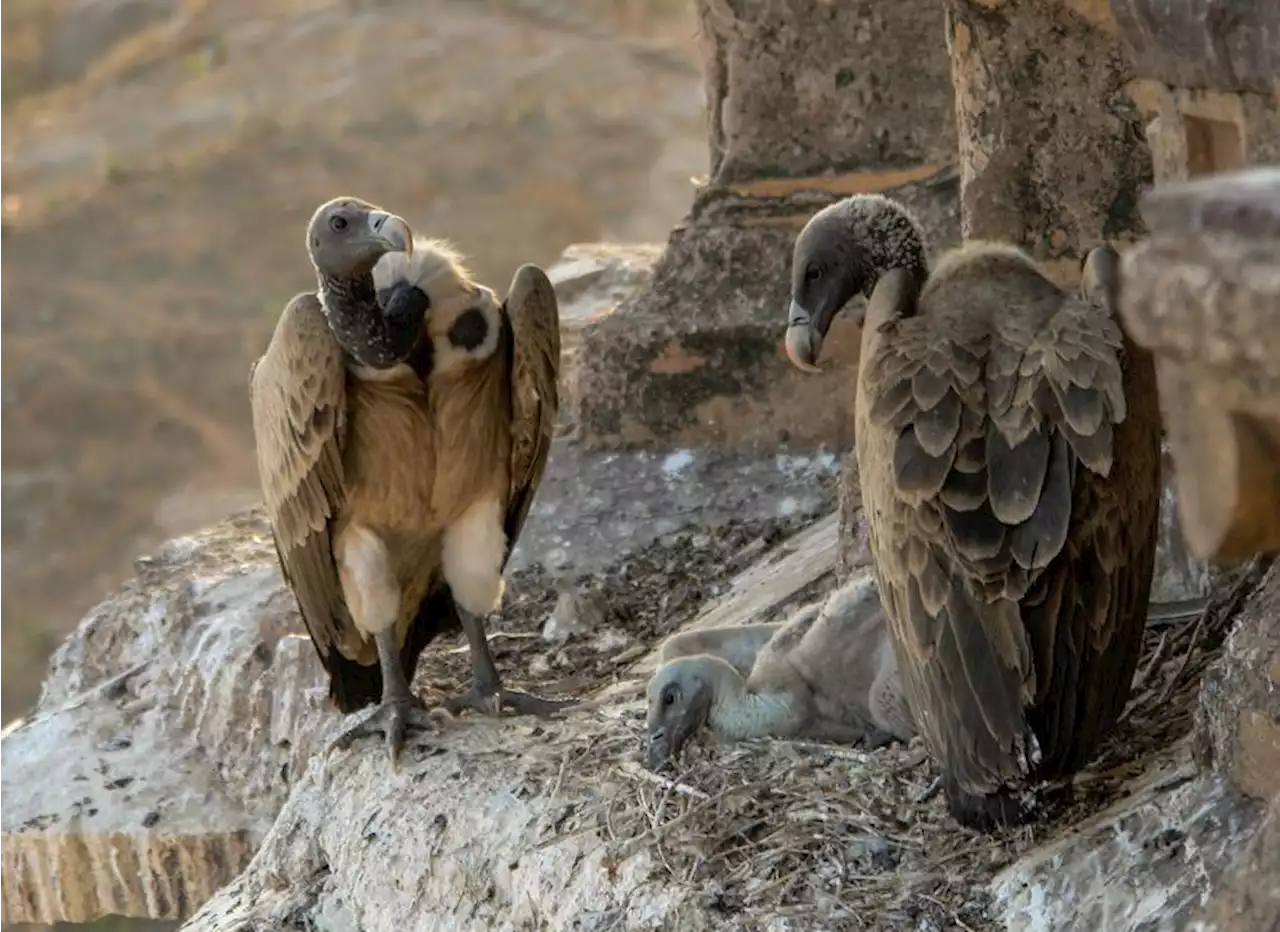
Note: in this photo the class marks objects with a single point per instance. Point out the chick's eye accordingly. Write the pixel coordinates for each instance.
(337, 223)
(812, 273)
(669, 697)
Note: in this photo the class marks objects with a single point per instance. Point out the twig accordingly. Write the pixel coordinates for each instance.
(1186, 659)
(636, 772)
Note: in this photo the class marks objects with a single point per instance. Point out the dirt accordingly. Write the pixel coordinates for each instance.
(161, 158)
(625, 611)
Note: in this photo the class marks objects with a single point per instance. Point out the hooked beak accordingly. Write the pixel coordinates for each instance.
(804, 339)
(659, 749)
(391, 232)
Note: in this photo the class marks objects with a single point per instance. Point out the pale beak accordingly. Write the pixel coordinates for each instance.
(804, 342)
(392, 231)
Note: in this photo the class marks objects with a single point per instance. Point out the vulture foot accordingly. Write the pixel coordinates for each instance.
(394, 719)
(489, 701)
(487, 694)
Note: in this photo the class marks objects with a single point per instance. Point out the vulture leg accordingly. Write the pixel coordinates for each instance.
(875, 738)
(487, 693)
(370, 588)
(399, 712)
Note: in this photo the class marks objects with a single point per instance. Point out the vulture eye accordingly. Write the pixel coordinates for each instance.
(669, 697)
(812, 273)
(337, 223)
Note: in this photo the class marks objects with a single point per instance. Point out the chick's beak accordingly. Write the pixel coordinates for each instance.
(391, 231)
(659, 748)
(804, 340)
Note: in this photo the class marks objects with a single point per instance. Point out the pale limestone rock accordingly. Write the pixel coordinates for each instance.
(166, 739)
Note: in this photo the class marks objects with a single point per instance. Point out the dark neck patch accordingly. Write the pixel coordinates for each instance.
(469, 330)
(357, 321)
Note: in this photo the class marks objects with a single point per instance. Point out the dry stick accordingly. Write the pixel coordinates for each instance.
(1240, 590)
(1157, 658)
(636, 772)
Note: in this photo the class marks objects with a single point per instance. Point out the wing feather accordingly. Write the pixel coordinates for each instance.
(298, 396)
(986, 440)
(532, 314)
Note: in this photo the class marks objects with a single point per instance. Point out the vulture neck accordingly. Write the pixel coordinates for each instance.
(348, 297)
(357, 321)
(738, 712)
(887, 238)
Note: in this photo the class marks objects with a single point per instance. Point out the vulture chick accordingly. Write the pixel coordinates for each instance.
(393, 502)
(1008, 441)
(828, 673)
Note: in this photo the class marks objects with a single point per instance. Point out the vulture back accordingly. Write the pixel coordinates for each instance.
(1008, 446)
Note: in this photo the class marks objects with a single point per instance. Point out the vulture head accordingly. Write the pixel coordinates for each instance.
(345, 239)
(842, 252)
(680, 700)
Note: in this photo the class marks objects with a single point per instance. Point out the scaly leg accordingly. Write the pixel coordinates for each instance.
(399, 712)
(373, 595)
(487, 693)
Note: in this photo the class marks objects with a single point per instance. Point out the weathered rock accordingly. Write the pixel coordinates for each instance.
(1052, 154)
(1204, 295)
(166, 739)
(1238, 719)
(1146, 863)
(490, 824)
(695, 358)
(798, 88)
(806, 103)
(1223, 44)
(1250, 899)
(591, 279)
(183, 710)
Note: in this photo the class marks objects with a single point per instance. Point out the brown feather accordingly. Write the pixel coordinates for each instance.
(532, 315)
(298, 399)
(1013, 544)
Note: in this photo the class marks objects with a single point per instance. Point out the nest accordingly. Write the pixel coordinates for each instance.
(768, 830)
(637, 603)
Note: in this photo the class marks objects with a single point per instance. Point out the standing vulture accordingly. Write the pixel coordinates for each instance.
(1008, 440)
(402, 420)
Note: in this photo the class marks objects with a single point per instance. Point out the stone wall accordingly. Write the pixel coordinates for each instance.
(806, 103)
(1052, 152)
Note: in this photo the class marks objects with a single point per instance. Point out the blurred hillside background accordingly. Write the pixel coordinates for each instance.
(161, 159)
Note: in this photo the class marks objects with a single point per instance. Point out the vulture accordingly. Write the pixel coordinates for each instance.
(828, 673)
(1008, 440)
(402, 420)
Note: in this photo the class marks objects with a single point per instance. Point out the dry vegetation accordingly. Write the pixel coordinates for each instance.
(766, 830)
(160, 160)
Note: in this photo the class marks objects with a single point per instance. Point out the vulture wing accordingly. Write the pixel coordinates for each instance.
(531, 314)
(298, 394)
(1010, 548)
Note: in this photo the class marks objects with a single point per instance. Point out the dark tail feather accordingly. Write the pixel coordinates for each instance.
(353, 686)
(1005, 808)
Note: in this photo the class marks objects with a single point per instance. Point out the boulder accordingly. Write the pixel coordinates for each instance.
(1203, 293)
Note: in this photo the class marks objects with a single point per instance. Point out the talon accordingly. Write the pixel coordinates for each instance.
(491, 701)
(393, 719)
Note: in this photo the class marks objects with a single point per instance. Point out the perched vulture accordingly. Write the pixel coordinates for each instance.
(402, 420)
(1008, 441)
(828, 673)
